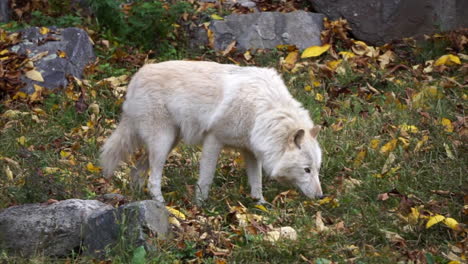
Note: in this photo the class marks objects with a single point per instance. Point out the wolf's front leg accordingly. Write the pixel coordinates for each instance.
(254, 172)
(211, 149)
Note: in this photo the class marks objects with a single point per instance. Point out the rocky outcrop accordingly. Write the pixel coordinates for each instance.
(134, 224)
(46, 229)
(380, 21)
(4, 11)
(55, 53)
(266, 30)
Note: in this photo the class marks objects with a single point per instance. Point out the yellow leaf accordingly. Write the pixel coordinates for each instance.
(261, 207)
(37, 95)
(217, 17)
(454, 262)
(61, 54)
(21, 95)
(448, 151)
(176, 213)
(409, 128)
(421, 143)
(414, 216)
(50, 170)
(34, 75)
(21, 140)
(448, 59)
(359, 158)
(447, 124)
(389, 147)
(360, 43)
(11, 114)
(65, 154)
(346, 54)
(247, 55)
(91, 168)
(315, 51)
(291, 60)
(318, 97)
(307, 88)
(316, 83)
(452, 223)
(404, 141)
(434, 220)
(374, 143)
(174, 221)
(8, 173)
(44, 30)
(333, 64)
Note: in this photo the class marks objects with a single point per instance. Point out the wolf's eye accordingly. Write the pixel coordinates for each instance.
(307, 170)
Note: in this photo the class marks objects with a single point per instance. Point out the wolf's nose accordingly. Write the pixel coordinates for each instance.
(321, 196)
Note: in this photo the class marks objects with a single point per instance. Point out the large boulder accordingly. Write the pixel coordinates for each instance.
(133, 224)
(46, 229)
(4, 11)
(56, 53)
(380, 21)
(266, 30)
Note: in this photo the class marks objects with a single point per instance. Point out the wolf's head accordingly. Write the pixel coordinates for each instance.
(300, 163)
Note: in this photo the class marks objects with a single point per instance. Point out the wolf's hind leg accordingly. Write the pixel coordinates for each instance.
(159, 145)
(211, 149)
(254, 172)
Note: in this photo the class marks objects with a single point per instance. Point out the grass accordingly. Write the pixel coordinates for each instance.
(425, 171)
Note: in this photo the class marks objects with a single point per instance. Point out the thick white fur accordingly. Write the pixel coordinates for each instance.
(217, 105)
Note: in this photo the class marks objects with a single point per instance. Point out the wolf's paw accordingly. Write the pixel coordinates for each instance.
(264, 203)
(158, 198)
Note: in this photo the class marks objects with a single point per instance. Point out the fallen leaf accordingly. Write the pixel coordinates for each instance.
(434, 220)
(176, 213)
(291, 60)
(319, 223)
(409, 128)
(61, 54)
(448, 151)
(389, 146)
(374, 143)
(217, 17)
(359, 158)
(36, 96)
(34, 75)
(261, 207)
(315, 51)
(346, 54)
(447, 124)
(448, 59)
(21, 140)
(91, 168)
(229, 48)
(319, 97)
(452, 223)
(44, 30)
(281, 233)
(8, 173)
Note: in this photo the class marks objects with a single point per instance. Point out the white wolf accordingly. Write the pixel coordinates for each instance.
(217, 105)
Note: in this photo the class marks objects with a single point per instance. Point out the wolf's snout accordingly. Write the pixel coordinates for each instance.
(320, 196)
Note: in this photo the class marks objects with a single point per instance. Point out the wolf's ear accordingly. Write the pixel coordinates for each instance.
(299, 138)
(315, 130)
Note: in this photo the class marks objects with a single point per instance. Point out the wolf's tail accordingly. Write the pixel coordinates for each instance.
(118, 146)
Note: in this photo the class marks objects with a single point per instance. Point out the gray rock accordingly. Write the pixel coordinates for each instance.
(267, 30)
(132, 224)
(5, 11)
(74, 42)
(49, 230)
(380, 21)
